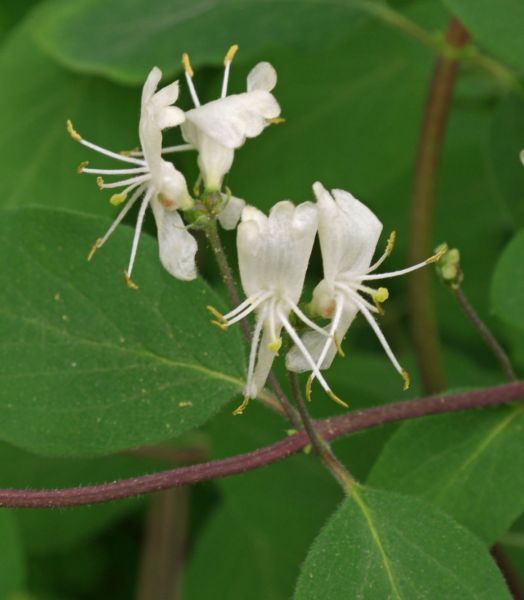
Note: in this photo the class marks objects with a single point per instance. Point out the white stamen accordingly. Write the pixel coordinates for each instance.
(115, 171)
(334, 324)
(246, 311)
(225, 81)
(352, 294)
(379, 334)
(122, 214)
(300, 345)
(192, 90)
(304, 318)
(253, 352)
(178, 148)
(244, 304)
(138, 229)
(395, 273)
(100, 150)
(132, 181)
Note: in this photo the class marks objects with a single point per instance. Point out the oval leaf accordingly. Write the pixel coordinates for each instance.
(89, 366)
(507, 290)
(384, 545)
(460, 463)
(133, 36)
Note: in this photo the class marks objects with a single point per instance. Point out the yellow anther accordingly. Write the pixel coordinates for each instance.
(381, 295)
(391, 242)
(240, 409)
(82, 166)
(339, 346)
(309, 383)
(72, 132)
(230, 54)
(94, 248)
(220, 324)
(307, 449)
(196, 189)
(336, 399)
(187, 64)
(405, 376)
(129, 282)
(117, 199)
(441, 250)
(275, 346)
(276, 121)
(215, 313)
(100, 183)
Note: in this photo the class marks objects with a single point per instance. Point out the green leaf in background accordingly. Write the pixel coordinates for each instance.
(460, 463)
(383, 545)
(12, 563)
(44, 530)
(38, 157)
(495, 25)
(507, 290)
(269, 517)
(132, 36)
(88, 366)
(506, 140)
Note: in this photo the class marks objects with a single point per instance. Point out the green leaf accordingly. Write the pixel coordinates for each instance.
(12, 564)
(89, 366)
(460, 463)
(507, 289)
(495, 25)
(38, 157)
(384, 545)
(506, 140)
(268, 517)
(133, 36)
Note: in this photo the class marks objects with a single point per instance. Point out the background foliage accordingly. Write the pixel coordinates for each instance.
(352, 84)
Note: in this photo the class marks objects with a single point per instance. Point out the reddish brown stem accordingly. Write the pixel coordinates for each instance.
(424, 329)
(329, 429)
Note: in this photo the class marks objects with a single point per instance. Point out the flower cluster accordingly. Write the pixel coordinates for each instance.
(273, 250)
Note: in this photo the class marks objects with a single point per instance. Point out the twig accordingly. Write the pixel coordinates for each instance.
(422, 314)
(322, 448)
(330, 429)
(486, 334)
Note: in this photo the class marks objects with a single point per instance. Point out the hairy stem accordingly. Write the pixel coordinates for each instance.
(234, 298)
(329, 429)
(424, 329)
(486, 334)
(321, 447)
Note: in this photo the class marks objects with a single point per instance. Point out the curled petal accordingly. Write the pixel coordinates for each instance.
(348, 231)
(229, 216)
(177, 247)
(262, 77)
(150, 85)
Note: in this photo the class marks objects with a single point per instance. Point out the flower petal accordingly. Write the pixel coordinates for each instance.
(229, 216)
(167, 95)
(230, 120)
(177, 247)
(262, 77)
(150, 85)
(265, 358)
(169, 116)
(348, 231)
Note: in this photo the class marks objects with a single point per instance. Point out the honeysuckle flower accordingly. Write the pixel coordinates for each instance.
(154, 180)
(273, 255)
(216, 129)
(349, 232)
(230, 211)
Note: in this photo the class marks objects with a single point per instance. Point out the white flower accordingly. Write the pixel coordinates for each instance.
(154, 180)
(348, 232)
(219, 127)
(273, 255)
